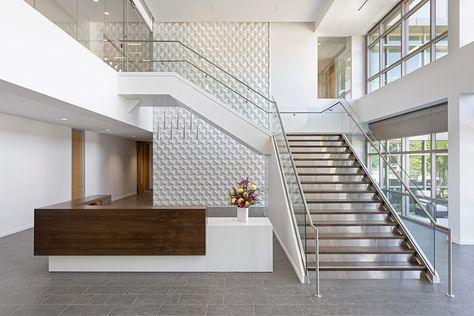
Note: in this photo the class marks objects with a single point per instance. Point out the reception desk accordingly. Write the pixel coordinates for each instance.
(96, 235)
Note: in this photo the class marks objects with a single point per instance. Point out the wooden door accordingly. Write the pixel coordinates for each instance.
(143, 166)
(77, 176)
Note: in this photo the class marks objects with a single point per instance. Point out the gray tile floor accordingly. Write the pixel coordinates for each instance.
(26, 288)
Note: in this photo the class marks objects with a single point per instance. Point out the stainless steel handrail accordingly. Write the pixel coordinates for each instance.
(208, 75)
(200, 56)
(433, 222)
(308, 214)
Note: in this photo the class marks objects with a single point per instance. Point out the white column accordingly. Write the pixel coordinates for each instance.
(461, 167)
(358, 66)
(466, 22)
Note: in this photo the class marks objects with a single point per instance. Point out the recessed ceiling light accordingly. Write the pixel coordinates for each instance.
(134, 136)
(108, 130)
(106, 13)
(95, 0)
(63, 119)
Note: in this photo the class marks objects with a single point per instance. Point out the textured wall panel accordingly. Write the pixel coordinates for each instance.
(195, 163)
(239, 49)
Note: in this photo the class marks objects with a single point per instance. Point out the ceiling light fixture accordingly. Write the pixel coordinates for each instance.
(108, 130)
(106, 13)
(134, 136)
(95, 0)
(363, 4)
(64, 119)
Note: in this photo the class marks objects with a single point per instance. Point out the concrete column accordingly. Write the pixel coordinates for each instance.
(461, 167)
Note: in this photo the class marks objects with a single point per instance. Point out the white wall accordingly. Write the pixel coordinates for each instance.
(52, 63)
(293, 64)
(110, 165)
(35, 169)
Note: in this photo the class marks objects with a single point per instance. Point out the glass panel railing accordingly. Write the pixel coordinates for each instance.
(414, 210)
(177, 57)
(304, 227)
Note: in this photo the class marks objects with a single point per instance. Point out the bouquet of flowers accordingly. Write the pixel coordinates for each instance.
(244, 195)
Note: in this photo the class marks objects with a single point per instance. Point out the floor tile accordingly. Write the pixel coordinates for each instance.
(223, 310)
(245, 299)
(96, 310)
(151, 299)
(199, 299)
(39, 310)
(278, 310)
(69, 299)
(111, 299)
(182, 310)
(134, 310)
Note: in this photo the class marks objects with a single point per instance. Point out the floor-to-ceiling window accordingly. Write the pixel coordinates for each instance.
(411, 35)
(419, 159)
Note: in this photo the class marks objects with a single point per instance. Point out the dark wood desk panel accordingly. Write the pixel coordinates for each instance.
(107, 230)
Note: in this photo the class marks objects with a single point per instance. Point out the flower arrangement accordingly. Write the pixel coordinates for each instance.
(244, 195)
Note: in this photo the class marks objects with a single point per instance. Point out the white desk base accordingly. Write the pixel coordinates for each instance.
(231, 246)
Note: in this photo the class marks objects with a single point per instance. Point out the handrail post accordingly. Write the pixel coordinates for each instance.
(316, 232)
(450, 265)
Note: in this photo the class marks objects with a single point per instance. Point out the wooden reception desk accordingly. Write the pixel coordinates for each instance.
(93, 226)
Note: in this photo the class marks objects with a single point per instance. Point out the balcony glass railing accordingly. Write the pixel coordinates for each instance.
(433, 241)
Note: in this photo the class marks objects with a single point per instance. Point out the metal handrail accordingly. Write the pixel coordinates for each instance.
(436, 226)
(200, 56)
(208, 75)
(308, 214)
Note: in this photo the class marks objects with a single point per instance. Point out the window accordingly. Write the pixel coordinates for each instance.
(424, 158)
(412, 35)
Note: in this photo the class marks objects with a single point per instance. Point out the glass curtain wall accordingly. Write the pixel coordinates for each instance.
(412, 35)
(101, 26)
(425, 159)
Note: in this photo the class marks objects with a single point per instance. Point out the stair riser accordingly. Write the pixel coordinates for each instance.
(319, 206)
(358, 242)
(337, 150)
(354, 229)
(335, 187)
(344, 275)
(349, 217)
(331, 178)
(362, 257)
(325, 163)
(315, 137)
(315, 143)
(313, 169)
(339, 196)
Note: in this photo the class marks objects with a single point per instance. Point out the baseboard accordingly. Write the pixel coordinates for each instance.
(464, 242)
(16, 230)
(300, 277)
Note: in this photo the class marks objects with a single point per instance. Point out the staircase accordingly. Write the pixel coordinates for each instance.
(359, 236)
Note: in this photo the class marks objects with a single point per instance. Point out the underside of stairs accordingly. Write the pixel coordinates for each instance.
(358, 234)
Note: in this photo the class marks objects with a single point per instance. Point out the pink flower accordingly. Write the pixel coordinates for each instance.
(242, 204)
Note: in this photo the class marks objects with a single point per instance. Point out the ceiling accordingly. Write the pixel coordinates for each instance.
(238, 10)
(22, 102)
(353, 17)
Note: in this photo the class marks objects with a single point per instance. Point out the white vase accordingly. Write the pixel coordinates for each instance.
(242, 214)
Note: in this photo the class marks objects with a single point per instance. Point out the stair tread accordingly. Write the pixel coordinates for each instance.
(323, 159)
(316, 140)
(328, 166)
(335, 182)
(342, 201)
(367, 266)
(339, 191)
(315, 146)
(311, 134)
(347, 211)
(362, 250)
(331, 174)
(322, 152)
(353, 223)
(326, 236)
